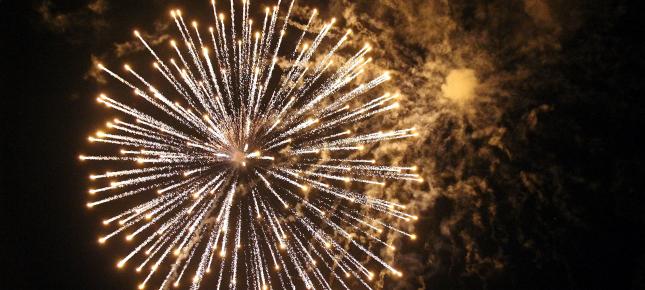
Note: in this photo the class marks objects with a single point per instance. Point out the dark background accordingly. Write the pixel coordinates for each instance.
(576, 221)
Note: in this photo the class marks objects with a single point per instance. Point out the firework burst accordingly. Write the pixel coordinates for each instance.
(256, 177)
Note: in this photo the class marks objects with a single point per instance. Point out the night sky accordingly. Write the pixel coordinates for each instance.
(530, 116)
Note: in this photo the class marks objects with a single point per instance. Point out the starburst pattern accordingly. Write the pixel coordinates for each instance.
(257, 176)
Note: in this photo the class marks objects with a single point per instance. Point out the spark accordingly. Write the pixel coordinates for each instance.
(254, 168)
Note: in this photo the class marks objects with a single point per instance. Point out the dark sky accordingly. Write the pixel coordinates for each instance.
(532, 115)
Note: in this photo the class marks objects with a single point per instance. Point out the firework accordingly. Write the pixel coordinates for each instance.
(254, 175)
